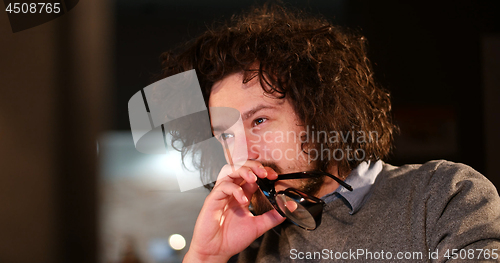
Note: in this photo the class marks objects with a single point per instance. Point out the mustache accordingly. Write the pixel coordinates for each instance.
(272, 165)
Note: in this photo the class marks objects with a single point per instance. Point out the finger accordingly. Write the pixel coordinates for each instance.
(249, 189)
(224, 175)
(256, 167)
(267, 221)
(226, 190)
(271, 174)
(245, 173)
(226, 169)
(237, 177)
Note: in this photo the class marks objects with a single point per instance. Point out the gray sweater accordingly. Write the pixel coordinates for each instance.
(415, 213)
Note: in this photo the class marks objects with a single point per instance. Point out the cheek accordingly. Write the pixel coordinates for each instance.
(280, 147)
(269, 138)
(239, 150)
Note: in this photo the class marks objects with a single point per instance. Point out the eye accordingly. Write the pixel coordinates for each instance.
(258, 121)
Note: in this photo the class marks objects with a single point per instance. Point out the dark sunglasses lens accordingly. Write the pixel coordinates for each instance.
(295, 211)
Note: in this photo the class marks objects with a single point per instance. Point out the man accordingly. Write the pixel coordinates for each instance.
(308, 102)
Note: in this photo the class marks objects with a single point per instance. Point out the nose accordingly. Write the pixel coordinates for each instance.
(245, 147)
(252, 146)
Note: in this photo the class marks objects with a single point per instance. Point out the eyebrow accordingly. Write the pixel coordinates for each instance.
(246, 115)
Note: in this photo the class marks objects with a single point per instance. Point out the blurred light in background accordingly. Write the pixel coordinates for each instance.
(177, 241)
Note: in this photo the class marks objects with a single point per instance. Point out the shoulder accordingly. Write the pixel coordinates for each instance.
(435, 183)
(461, 206)
(438, 173)
(444, 187)
(428, 169)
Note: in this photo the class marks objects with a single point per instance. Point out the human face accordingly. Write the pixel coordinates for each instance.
(271, 129)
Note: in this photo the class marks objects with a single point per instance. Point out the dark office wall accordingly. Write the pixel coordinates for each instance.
(431, 57)
(27, 162)
(54, 82)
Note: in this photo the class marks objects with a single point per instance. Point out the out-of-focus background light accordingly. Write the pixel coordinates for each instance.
(177, 241)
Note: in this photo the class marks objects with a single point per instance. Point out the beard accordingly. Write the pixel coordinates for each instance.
(310, 186)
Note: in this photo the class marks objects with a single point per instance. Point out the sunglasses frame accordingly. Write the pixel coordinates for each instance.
(312, 204)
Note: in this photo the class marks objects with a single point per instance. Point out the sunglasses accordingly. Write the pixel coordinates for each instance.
(298, 207)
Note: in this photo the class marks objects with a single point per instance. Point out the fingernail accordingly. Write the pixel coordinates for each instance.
(245, 199)
(254, 177)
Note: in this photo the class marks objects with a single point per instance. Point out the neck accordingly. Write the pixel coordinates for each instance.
(329, 185)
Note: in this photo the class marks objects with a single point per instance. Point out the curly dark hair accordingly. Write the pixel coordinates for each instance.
(321, 68)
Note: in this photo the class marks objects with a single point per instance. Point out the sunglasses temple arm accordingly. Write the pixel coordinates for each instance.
(302, 175)
(344, 184)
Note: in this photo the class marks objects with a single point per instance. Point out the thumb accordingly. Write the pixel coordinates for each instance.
(267, 221)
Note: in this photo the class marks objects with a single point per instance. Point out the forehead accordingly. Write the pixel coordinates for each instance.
(248, 99)
(232, 92)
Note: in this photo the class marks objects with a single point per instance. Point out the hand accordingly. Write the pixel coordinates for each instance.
(225, 226)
